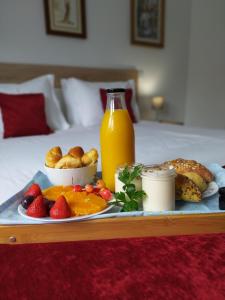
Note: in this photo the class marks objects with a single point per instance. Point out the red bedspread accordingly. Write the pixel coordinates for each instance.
(187, 267)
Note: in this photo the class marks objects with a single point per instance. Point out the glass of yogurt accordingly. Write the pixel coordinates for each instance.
(158, 182)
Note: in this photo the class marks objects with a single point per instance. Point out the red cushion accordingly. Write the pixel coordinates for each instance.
(23, 115)
(128, 99)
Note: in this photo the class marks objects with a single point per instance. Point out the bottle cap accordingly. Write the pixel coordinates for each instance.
(112, 91)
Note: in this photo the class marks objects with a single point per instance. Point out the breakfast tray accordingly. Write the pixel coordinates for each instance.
(188, 218)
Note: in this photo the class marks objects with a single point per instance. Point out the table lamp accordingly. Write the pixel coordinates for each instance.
(157, 104)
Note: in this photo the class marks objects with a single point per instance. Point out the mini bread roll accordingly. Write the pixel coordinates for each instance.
(89, 158)
(53, 156)
(76, 152)
(186, 189)
(184, 165)
(197, 179)
(69, 162)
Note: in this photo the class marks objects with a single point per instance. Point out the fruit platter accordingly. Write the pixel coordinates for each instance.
(65, 203)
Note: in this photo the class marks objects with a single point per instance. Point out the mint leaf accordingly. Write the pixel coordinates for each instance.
(130, 188)
(120, 196)
(130, 206)
(124, 176)
(135, 173)
(138, 195)
(130, 198)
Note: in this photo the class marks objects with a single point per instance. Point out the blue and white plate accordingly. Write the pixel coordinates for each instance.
(22, 212)
(211, 190)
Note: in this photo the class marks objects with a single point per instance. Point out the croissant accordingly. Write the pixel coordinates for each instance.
(89, 158)
(53, 156)
(68, 162)
(76, 152)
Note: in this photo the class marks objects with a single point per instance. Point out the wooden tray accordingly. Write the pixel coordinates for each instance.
(112, 228)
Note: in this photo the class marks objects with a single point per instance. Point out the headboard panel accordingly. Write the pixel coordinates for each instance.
(16, 73)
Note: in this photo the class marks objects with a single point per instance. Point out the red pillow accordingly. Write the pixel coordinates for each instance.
(23, 115)
(128, 99)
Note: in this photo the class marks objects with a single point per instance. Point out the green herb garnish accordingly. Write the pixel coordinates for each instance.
(130, 198)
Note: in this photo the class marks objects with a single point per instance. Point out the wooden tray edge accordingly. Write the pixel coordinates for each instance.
(112, 228)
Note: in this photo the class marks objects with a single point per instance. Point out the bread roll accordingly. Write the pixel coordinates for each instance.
(53, 156)
(186, 189)
(89, 158)
(76, 152)
(69, 162)
(183, 166)
(197, 179)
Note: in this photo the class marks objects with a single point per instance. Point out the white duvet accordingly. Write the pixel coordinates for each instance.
(21, 158)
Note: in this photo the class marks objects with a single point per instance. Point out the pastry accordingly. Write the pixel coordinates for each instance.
(89, 158)
(186, 189)
(68, 162)
(53, 156)
(183, 166)
(76, 152)
(197, 179)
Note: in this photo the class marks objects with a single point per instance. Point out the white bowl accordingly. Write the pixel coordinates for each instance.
(80, 176)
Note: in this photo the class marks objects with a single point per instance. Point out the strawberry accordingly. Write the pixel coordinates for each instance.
(37, 208)
(34, 190)
(61, 209)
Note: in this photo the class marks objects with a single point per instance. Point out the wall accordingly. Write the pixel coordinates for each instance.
(162, 71)
(206, 75)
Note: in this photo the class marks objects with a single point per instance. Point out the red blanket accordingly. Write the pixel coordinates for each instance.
(186, 267)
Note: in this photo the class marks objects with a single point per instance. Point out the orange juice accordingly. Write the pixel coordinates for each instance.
(117, 143)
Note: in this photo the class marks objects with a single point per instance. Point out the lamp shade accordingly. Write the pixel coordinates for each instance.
(157, 102)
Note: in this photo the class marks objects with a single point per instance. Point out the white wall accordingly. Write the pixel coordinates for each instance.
(205, 105)
(162, 71)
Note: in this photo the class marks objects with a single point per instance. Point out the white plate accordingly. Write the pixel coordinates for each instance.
(22, 212)
(211, 190)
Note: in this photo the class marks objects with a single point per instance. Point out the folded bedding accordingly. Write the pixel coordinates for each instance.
(22, 157)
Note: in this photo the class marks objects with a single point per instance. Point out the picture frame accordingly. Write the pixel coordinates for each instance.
(147, 22)
(65, 18)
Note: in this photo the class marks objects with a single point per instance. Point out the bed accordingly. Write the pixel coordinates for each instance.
(22, 157)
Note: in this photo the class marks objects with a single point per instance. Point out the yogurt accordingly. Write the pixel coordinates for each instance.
(158, 182)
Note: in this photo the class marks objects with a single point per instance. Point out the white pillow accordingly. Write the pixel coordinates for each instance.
(44, 85)
(83, 101)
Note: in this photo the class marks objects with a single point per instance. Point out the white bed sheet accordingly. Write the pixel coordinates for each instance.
(21, 158)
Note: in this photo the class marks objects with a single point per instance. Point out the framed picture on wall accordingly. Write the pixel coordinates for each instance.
(147, 22)
(65, 17)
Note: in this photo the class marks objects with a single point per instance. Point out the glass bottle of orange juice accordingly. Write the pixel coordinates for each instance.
(116, 137)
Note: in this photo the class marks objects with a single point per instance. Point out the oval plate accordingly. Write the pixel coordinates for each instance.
(211, 190)
(22, 212)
